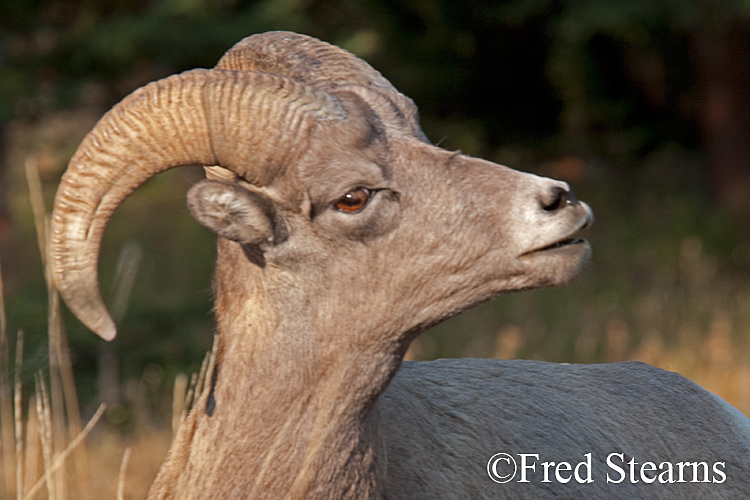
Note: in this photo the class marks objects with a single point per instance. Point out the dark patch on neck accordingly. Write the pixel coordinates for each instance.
(255, 255)
(211, 401)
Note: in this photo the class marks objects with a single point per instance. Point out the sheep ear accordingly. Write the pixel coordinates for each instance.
(235, 213)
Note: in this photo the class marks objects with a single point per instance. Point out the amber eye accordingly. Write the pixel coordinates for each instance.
(354, 200)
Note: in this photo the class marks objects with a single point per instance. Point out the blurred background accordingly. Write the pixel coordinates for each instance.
(643, 107)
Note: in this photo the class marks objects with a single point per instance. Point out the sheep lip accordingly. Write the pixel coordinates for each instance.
(568, 241)
(565, 242)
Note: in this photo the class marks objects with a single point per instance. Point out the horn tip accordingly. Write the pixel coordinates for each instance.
(107, 331)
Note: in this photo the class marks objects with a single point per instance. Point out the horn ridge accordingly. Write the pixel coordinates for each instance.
(324, 66)
(302, 58)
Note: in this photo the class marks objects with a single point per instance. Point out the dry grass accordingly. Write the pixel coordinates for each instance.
(712, 358)
(53, 426)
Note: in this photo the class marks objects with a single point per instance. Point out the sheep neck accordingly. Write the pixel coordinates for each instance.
(294, 416)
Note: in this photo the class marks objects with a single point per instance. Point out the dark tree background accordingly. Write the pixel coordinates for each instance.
(602, 76)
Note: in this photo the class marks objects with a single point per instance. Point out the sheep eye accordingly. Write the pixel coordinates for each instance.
(354, 200)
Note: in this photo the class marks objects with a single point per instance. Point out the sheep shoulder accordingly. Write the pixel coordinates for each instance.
(441, 421)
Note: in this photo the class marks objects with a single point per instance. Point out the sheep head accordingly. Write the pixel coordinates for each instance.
(330, 203)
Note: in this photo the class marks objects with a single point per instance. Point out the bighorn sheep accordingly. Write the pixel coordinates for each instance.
(342, 234)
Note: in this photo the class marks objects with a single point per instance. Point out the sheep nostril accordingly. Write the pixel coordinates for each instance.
(559, 198)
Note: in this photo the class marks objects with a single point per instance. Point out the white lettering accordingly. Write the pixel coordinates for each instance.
(565, 466)
(586, 464)
(719, 472)
(525, 466)
(667, 476)
(547, 465)
(632, 465)
(681, 466)
(648, 467)
(621, 468)
(695, 472)
(611, 465)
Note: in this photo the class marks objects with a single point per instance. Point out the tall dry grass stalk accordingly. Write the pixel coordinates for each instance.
(7, 431)
(18, 417)
(179, 400)
(31, 449)
(121, 476)
(45, 432)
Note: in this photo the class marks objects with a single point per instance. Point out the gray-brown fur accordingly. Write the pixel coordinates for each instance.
(316, 306)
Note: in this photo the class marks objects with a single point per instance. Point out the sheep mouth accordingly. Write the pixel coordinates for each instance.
(566, 242)
(560, 244)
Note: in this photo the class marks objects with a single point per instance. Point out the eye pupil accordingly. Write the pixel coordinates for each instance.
(353, 201)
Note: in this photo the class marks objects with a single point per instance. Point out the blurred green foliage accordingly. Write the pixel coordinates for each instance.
(607, 94)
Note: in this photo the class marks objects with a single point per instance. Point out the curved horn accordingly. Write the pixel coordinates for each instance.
(324, 66)
(208, 117)
(302, 58)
